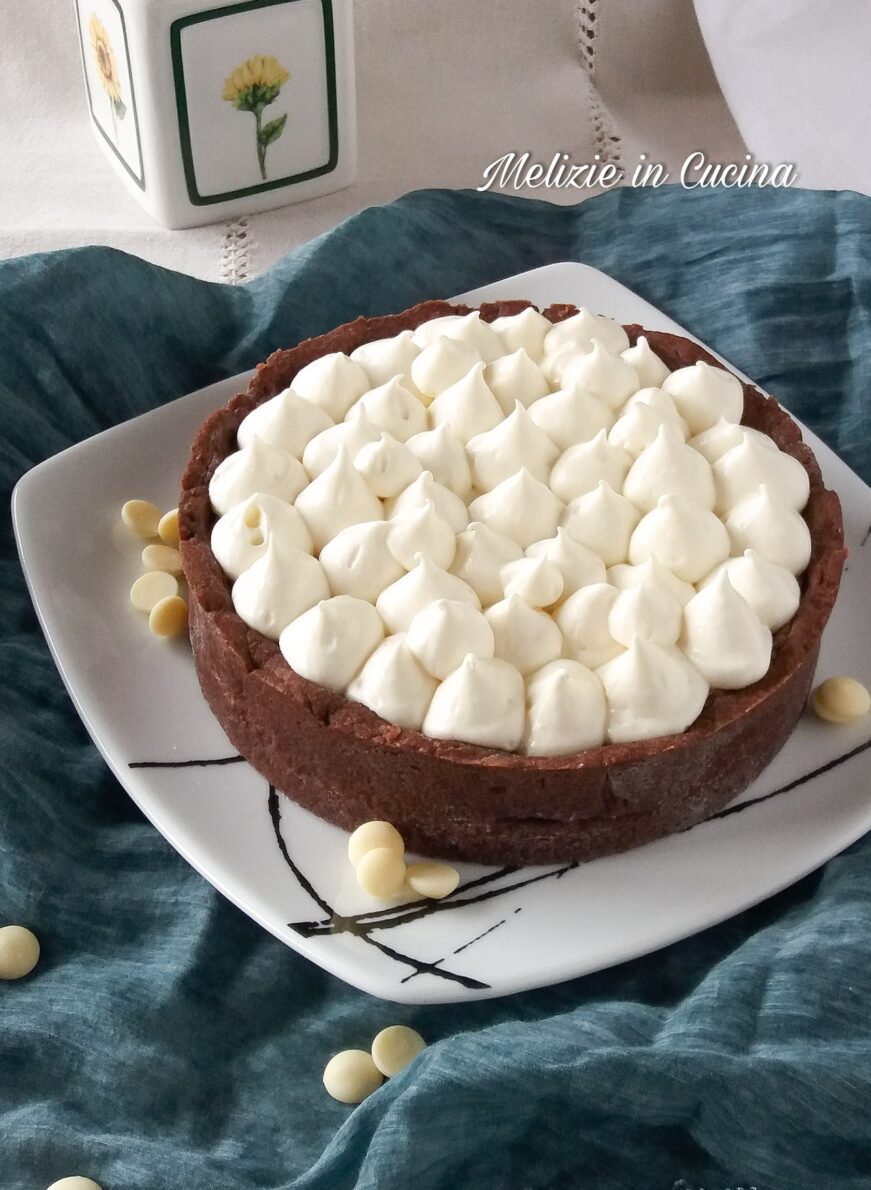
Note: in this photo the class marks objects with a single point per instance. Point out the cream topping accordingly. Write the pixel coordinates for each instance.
(645, 611)
(420, 530)
(571, 416)
(286, 420)
(240, 536)
(686, 538)
(583, 621)
(650, 369)
(388, 466)
(514, 378)
(329, 643)
(651, 573)
(536, 580)
(763, 523)
(358, 560)
(335, 499)
(581, 468)
(601, 373)
(399, 603)
(516, 442)
(723, 435)
(597, 474)
(724, 638)
(443, 633)
(472, 329)
(772, 591)
(669, 467)
(481, 702)
(651, 691)
(392, 408)
(603, 521)
(447, 504)
(521, 507)
(703, 394)
(444, 456)
(382, 359)
(441, 364)
(394, 685)
(526, 329)
(334, 382)
(481, 555)
(467, 407)
(354, 432)
(662, 402)
(637, 428)
(578, 332)
(277, 588)
(565, 710)
(578, 565)
(434, 329)
(257, 468)
(740, 471)
(524, 636)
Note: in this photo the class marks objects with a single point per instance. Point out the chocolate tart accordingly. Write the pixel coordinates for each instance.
(341, 761)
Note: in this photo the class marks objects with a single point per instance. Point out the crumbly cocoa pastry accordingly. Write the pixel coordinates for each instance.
(340, 760)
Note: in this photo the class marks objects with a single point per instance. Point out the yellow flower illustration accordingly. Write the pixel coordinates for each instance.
(107, 68)
(251, 86)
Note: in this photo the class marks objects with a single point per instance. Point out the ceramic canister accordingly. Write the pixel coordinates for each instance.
(208, 109)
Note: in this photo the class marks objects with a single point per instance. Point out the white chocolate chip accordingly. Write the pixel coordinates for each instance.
(150, 588)
(162, 557)
(395, 1047)
(432, 879)
(74, 1183)
(381, 873)
(840, 700)
(351, 1075)
(169, 616)
(374, 834)
(19, 952)
(167, 529)
(141, 517)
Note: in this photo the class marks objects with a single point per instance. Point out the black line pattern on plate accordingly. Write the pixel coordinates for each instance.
(184, 764)
(362, 925)
(866, 538)
(344, 925)
(765, 797)
(459, 949)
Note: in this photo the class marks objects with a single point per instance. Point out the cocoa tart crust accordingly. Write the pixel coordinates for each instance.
(340, 760)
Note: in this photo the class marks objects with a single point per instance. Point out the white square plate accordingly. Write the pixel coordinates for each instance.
(503, 930)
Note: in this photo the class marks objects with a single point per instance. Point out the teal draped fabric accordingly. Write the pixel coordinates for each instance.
(165, 1041)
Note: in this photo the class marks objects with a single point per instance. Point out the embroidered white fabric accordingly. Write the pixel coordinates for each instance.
(540, 77)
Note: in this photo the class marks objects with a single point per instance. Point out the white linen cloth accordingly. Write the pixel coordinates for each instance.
(444, 87)
(795, 75)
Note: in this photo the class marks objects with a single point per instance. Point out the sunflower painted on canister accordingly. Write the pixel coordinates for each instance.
(107, 68)
(250, 88)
